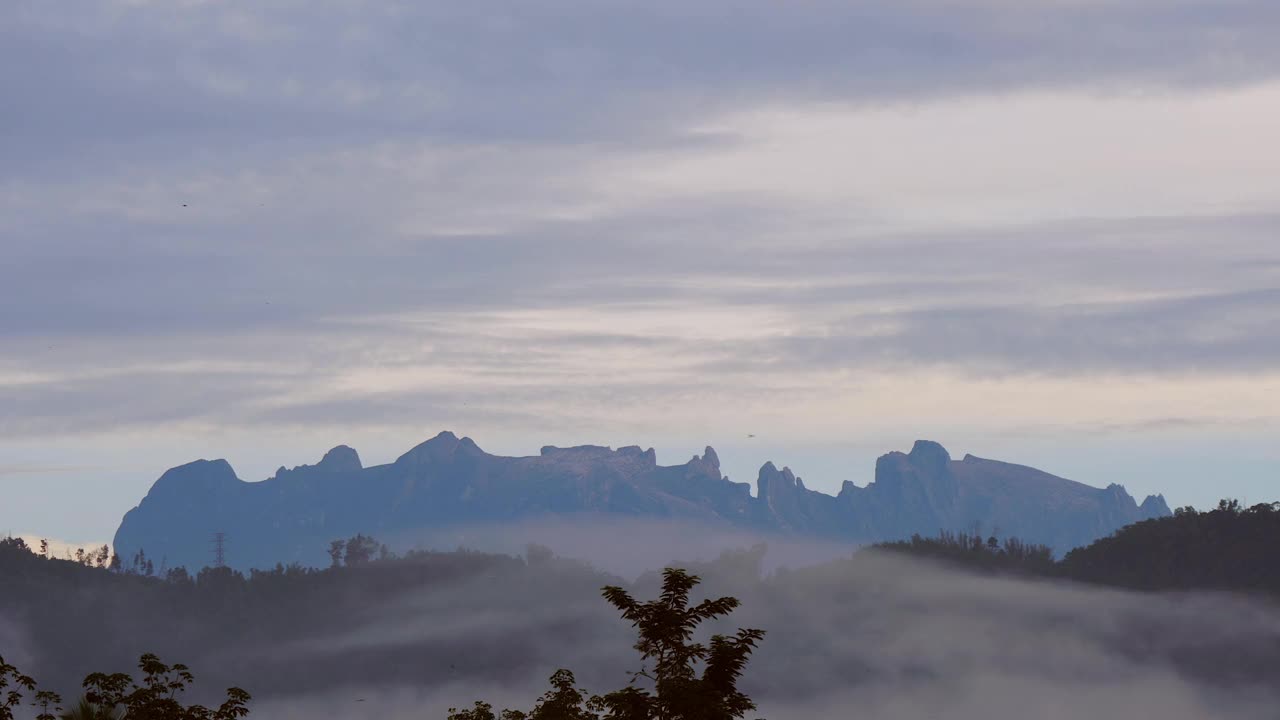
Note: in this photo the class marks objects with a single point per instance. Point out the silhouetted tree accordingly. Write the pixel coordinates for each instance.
(1228, 548)
(157, 697)
(12, 685)
(85, 710)
(49, 704)
(360, 550)
(676, 690)
(140, 564)
(666, 627)
(484, 711)
(1012, 556)
(336, 549)
(108, 696)
(178, 576)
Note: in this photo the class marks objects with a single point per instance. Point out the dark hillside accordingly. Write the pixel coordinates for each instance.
(1228, 548)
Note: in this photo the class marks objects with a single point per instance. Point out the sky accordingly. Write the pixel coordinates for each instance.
(1043, 231)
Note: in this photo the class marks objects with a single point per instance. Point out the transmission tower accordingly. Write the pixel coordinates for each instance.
(219, 549)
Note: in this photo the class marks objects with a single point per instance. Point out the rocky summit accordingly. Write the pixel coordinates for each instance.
(450, 482)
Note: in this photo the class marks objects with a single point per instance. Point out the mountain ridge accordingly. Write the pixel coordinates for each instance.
(449, 481)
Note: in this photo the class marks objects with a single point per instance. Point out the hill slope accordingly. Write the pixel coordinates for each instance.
(1230, 548)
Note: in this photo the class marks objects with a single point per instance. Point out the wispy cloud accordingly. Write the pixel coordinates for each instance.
(581, 215)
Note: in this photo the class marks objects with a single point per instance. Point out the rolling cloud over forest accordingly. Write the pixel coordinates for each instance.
(915, 641)
(873, 636)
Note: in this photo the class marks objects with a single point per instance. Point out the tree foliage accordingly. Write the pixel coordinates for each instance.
(86, 710)
(48, 703)
(1230, 547)
(12, 686)
(157, 697)
(357, 550)
(689, 680)
(991, 555)
(89, 618)
(110, 697)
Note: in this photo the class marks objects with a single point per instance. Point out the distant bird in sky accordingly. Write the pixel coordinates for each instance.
(750, 435)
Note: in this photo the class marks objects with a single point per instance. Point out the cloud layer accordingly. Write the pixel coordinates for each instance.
(349, 217)
(881, 638)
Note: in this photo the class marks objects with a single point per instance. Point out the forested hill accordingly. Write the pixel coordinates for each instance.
(65, 619)
(1230, 548)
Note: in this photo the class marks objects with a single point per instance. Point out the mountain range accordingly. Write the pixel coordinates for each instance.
(450, 482)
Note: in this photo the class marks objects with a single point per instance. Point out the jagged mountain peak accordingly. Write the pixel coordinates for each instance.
(1154, 506)
(930, 455)
(196, 476)
(449, 481)
(341, 459)
(440, 448)
(710, 457)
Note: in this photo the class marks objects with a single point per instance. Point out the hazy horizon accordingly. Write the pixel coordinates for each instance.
(104, 521)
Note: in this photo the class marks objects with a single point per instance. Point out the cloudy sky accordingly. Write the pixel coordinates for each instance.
(1046, 231)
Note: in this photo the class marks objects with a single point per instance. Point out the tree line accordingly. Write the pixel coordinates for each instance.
(679, 678)
(118, 696)
(88, 617)
(1230, 547)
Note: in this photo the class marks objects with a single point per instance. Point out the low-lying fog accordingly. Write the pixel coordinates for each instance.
(879, 637)
(871, 635)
